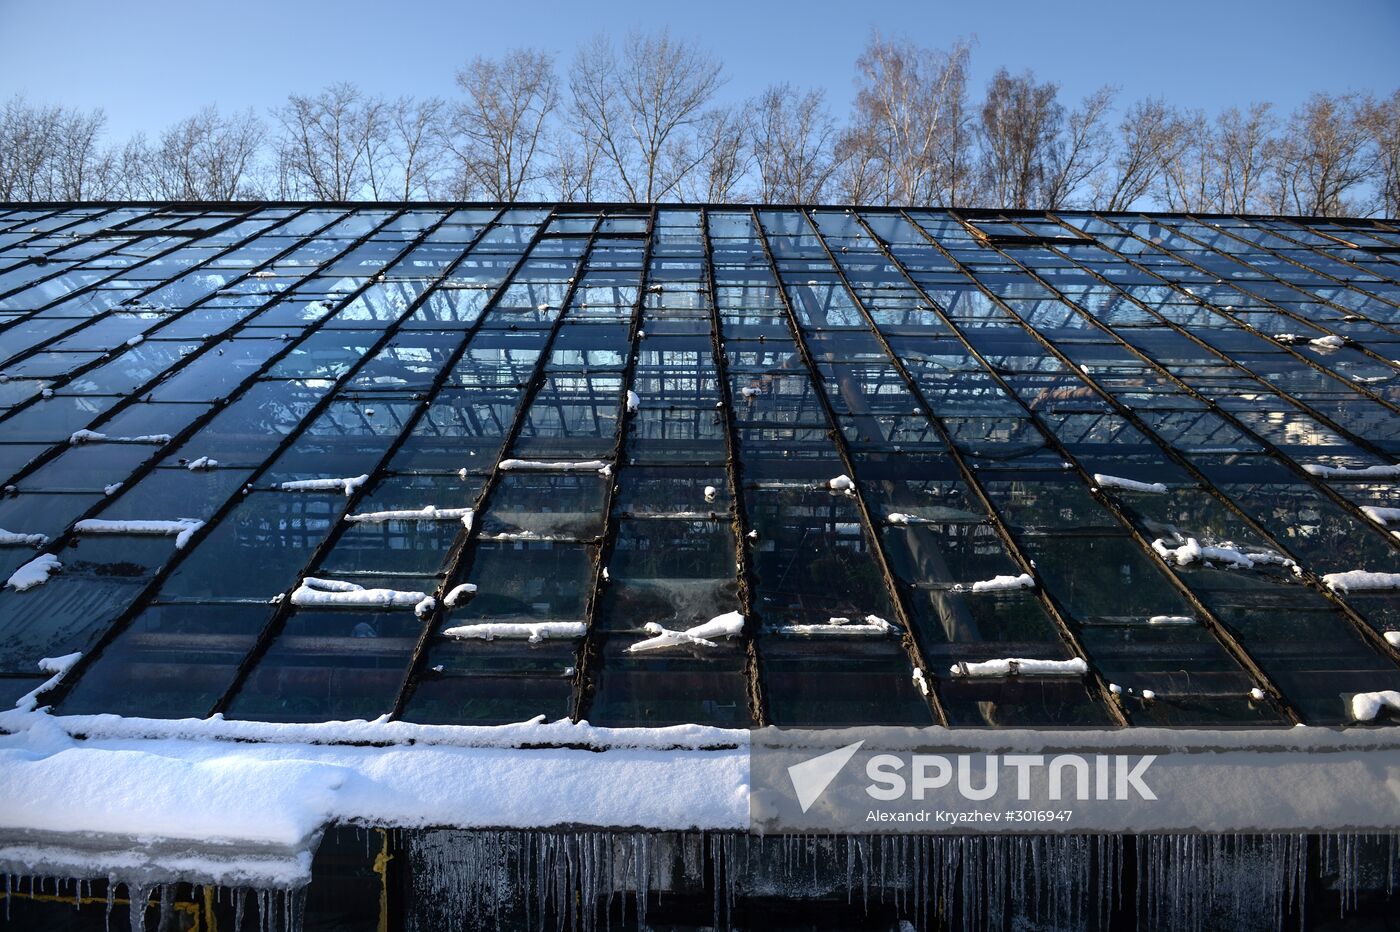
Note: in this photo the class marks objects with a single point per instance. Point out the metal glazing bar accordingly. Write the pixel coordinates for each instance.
(78, 371)
(1309, 576)
(743, 555)
(897, 595)
(460, 556)
(142, 599)
(1314, 481)
(134, 396)
(1306, 360)
(273, 626)
(590, 649)
(1222, 632)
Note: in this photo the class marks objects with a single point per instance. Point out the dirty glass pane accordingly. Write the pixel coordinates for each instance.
(864, 682)
(525, 580)
(259, 549)
(671, 688)
(330, 666)
(172, 661)
(479, 682)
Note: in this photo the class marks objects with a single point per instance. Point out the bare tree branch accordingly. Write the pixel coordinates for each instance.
(330, 146)
(1151, 134)
(498, 127)
(1381, 122)
(710, 163)
(1080, 151)
(1018, 129)
(793, 138)
(908, 102)
(641, 105)
(1244, 146)
(204, 157)
(1322, 158)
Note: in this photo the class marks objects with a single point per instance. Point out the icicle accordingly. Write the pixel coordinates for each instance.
(167, 907)
(137, 900)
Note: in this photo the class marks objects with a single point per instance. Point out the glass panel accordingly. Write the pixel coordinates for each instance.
(172, 661)
(330, 666)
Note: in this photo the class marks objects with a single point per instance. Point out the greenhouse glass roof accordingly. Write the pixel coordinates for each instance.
(726, 465)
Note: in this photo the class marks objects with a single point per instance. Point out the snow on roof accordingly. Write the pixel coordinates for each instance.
(1128, 485)
(426, 513)
(553, 465)
(335, 593)
(1381, 471)
(534, 632)
(838, 627)
(1020, 666)
(346, 485)
(1191, 551)
(728, 625)
(1361, 580)
(9, 538)
(1366, 706)
(244, 802)
(34, 573)
(1004, 583)
(182, 529)
(888, 410)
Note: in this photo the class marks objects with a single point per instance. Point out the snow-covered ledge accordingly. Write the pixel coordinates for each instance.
(245, 803)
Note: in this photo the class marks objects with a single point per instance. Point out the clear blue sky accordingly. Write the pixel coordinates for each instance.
(150, 62)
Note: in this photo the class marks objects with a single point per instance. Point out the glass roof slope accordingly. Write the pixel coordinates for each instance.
(729, 465)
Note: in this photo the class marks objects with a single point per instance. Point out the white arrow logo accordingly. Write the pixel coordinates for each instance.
(811, 777)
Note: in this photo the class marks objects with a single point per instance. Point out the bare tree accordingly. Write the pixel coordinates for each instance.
(28, 140)
(51, 153)
(1151, 135)
(1190, 178)
(330, 144)
(908, 111)
(1244, 146)
(1018, 129)
(1322, 158)
(957, 155)
(859, 177)
(573, 166)
(714, 158)
(793, 138)
(642, 106)
(498, 127)
(1079, 152)
(641, 124)
(414, 150)
(204, 157)
(1381, 121)
(81, 170)
(132, 176)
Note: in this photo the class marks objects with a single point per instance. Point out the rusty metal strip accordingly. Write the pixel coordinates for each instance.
(590, 650)
(460, 556)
